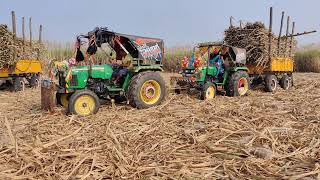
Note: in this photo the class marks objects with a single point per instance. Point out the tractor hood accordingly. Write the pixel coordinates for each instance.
(98, 71)
(78, 76)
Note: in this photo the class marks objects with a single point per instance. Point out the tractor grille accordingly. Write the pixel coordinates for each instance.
(74, 80)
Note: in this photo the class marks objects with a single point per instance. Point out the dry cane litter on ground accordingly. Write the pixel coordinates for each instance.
(258, 136)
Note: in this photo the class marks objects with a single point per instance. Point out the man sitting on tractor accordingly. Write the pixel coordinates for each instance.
(121, 69)
(217, 60)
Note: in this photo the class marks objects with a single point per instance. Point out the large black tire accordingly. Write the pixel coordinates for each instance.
(34, 80)
(63, 99)
(156, 85)
(270, 83)
(83, 103)
(209, 91)
(285, 82)
(238, 84)
(17, 84)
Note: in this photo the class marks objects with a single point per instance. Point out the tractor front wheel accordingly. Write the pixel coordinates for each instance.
(209, 91)
(84, 103)
(146, 89)
(238, 84)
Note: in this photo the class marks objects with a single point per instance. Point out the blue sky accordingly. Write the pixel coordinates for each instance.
(178, 22)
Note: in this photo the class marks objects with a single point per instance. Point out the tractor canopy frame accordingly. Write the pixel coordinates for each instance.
(236, 55)
(144, 50)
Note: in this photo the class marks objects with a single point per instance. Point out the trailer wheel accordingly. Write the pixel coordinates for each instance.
(34, 80)
(83, 103)
(146, 89)
(270, 83)
(285, 82)
(18, 84)
(238, 84)
(209, 91)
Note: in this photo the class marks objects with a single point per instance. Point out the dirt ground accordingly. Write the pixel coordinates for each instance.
(258, 136)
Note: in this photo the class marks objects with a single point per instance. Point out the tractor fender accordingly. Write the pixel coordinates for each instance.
(148, 68)
(235, 69)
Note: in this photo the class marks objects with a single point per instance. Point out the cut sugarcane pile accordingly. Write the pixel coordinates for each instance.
(12, 49)
(254, 37)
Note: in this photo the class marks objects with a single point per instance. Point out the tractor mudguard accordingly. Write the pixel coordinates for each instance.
(212, 71)
(148, 68)
(201, 74)
(234, 69)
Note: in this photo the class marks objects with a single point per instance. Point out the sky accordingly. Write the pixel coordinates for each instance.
(178, 22)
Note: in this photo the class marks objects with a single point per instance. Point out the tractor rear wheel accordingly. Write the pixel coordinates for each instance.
(285, 82)
(83, 103)
(238, 84)
(63, 99)
(146, 89)
(209, 91)
(270, 83)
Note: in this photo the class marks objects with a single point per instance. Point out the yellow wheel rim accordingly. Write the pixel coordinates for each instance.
(64, 100)
(210, 92)
(243, 86)
(84, 105)
(150, 92)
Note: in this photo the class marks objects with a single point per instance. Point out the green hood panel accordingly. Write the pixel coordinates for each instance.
(98, 71)
(80, 75)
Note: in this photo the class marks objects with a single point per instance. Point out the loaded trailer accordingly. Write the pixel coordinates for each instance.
(270, 59)
(278, 72)
(22, 73)
(19, 60)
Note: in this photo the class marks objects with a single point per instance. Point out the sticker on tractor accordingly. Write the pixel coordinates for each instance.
(150, 51)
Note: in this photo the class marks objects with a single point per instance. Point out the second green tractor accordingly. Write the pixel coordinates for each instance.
(214, 68)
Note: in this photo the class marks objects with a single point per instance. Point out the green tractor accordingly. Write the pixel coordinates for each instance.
(134, 80)
(214, 68)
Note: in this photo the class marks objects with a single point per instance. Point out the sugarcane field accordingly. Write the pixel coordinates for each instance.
(157, 92)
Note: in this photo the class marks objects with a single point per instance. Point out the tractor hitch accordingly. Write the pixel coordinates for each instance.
(180, 84)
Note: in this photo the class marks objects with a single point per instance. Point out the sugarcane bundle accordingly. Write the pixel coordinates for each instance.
(254, 37)
(13, 49)
(6, 46)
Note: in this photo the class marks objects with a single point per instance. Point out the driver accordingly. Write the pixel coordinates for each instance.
(121, 69)
(216, 58)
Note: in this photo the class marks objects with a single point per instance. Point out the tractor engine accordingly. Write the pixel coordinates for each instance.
(98, 85)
